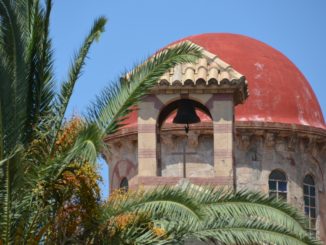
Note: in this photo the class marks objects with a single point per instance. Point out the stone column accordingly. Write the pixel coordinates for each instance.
(222, 110)
(147, 116)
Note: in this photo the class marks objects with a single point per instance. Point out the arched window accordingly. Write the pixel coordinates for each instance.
(309, 196)
(124, 184)
(277, 185)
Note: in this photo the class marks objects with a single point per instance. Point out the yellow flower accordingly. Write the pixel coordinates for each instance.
(158, 231)
(124, 220)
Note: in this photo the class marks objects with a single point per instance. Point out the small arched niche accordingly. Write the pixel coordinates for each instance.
(124, 184)
(182, 154)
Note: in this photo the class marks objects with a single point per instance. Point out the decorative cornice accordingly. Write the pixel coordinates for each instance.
(305, 139)
(282, 128)
(161, 180)
(209, 74)
(242, 128)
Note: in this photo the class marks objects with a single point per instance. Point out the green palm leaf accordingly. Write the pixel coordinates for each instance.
(27, 116)
(117, 100)
(161, 201)
(13, 73)
(186, 213)
(230, 203)
(75, 71)
(248, 231)
(40, 76)
(31, 118)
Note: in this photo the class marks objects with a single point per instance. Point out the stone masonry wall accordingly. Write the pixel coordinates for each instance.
(122, 159)
(199, 155)
(259, 152)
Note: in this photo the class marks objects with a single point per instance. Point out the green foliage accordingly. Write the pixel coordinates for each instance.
(37, 149)
(173, 215)
(48, 179)
(116, 101)
(30, 161)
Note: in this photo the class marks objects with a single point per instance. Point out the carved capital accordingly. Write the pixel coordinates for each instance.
(245, 141)
(313, 147)
(270, 139)
(292, 142)
(303, 144)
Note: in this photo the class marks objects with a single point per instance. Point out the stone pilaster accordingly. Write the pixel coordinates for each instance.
(147, 116)
(222, 114)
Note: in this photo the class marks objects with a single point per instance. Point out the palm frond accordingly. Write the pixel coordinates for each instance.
(67, 87)
(191, 213)
(10, 177)
(117, 100)
(40, 75)
(139, 230)
(253, 204)
(47, 77)
(88, 144)
(5, 200)
(27, 118)
(248, 231)
(160, 202)
(13, 70)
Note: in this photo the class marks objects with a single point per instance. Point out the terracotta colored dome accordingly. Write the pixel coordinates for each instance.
(279, 92)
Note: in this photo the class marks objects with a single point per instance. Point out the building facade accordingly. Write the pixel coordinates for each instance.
(261, 127)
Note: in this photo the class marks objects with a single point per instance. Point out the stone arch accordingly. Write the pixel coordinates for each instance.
(317, 174)
(310, 203)
(124, 184)
(281, 171)
(122, 169)
(278, 184)
(172, 106)
(173, 135)
(310, 174)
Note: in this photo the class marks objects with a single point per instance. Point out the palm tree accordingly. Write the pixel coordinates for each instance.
(33, 159)
(32, 115)
(174, 215)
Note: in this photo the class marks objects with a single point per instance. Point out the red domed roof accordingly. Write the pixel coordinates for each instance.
(278, 91)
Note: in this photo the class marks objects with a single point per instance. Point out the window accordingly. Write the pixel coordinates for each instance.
(309, 197)
(124, 185)
(277, 185)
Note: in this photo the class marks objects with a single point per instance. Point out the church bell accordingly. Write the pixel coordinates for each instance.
(186, 114)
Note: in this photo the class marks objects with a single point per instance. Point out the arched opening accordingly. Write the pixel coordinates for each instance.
(309, 199)
(124, 184)
(277, 183)
(123, 169)
(172, 107)
(181, 154)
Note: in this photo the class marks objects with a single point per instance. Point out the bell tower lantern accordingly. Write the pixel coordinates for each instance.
(183, 129)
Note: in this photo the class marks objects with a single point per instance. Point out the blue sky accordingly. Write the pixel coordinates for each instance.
(136, 29)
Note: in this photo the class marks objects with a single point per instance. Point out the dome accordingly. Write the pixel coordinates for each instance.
(278, 91)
